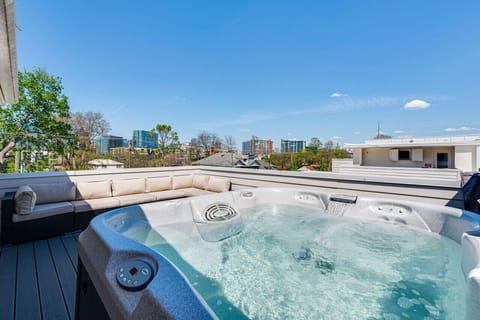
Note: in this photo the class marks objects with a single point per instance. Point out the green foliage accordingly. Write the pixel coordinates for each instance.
(10, 167)
(39, 120)
(314, 145)
(167, 139)
(337, 153)
(321, 157)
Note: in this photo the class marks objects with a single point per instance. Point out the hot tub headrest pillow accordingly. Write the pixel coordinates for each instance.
(25, 199)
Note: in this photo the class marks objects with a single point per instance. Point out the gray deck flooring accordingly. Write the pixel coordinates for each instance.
(38, 279)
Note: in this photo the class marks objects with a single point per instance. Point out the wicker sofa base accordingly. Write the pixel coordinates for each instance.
(23, 231)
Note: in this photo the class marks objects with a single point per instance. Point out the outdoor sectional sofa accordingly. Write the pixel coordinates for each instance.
(38, 211)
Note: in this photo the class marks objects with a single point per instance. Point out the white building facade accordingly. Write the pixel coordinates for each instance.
(455, 152)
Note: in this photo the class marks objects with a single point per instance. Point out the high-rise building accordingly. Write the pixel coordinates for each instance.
(145, 139)
(293, 145)
(258, 147)
(105, 143)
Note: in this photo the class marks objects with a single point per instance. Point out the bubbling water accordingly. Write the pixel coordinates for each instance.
(299, 263)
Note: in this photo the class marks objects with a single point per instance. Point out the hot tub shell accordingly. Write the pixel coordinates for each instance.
(103, 248)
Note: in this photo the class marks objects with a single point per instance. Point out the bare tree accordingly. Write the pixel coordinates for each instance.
(328, 145)
(230, 143)
(86, 126)
(204, 141)
(217, 142)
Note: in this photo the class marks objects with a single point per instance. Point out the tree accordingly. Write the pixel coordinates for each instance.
(39, 120)
(230, 143)
(328, 145)
(314, 144)
(167, 139)
(207, 140)
(338, 152)
(204, 141)
(86, 126)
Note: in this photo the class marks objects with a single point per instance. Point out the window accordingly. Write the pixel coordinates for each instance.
(404, 155)
(442, 160)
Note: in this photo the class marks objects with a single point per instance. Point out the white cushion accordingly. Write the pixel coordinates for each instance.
(95, 204)
(200, 181)
(218, 184)
(159, 184)
(180, 182)
(168, 194)
(192, 192)
(45, 210)
(54, 192)
(127, 186)
(130, 199)
(25, 199)
(94, 190)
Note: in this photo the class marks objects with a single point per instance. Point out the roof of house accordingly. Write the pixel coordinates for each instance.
(440, 141)
(221, 159)
(253, 163)
(226, 159)
(312, 167)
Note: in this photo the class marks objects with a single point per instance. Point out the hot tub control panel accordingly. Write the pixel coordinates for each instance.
(134, 275)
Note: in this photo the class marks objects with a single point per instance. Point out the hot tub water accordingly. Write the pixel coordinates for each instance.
(292, 262)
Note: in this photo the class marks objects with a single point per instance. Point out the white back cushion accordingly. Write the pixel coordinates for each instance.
(121, 187)
(94, 190)
(159, 184)
(180, 182)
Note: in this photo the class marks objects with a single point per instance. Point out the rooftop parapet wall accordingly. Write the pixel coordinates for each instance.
(436, 191)
(422, 141)
(446, 177)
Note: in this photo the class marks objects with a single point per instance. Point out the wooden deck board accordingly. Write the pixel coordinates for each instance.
(38, 279)
(51, 297)
(70, 243)
(65, 272)
(27, 285)
(8, 275)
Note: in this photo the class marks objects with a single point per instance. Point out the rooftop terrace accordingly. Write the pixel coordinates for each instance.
(38, 279)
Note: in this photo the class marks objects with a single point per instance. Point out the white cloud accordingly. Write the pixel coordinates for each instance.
(336, 138)
(180, 98)
(338, 95)
(416, 104)
(398, 131)
(464, 128)
(356, 133)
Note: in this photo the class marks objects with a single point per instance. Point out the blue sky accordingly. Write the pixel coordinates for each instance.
(274, 69)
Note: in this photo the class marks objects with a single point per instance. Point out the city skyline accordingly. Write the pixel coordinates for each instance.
(271, 69)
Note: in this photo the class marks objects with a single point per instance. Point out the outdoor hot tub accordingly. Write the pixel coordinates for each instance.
(280, 253)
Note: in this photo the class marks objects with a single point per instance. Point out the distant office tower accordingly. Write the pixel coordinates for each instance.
(258, 147)
(105, 143)
(293, 145)
(144, 139)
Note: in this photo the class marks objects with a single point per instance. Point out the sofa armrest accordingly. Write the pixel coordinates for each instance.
(8, 209)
